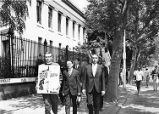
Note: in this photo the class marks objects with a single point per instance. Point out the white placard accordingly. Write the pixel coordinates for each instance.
(48, 79)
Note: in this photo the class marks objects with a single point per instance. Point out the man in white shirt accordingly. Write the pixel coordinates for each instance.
(155, 78)
(94, 85)
(139, 77)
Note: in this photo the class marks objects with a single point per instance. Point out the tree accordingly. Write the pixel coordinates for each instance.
(13, 14)
(110, 16)
(139, 18)
(141, 30)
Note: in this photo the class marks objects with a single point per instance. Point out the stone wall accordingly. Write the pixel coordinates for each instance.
(16, 90)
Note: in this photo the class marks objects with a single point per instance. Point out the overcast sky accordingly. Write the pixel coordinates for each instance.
(81, 4)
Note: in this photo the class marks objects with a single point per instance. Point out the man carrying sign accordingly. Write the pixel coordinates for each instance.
(49, 83)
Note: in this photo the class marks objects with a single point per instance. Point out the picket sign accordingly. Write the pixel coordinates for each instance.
(48, 79)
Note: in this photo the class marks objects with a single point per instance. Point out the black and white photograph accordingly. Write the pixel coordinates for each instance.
(79, 56)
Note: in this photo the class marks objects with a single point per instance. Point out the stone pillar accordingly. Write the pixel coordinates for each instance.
(55, 20)
(63, 25)
(44, 15)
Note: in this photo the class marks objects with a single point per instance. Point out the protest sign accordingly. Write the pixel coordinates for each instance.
(48, 79)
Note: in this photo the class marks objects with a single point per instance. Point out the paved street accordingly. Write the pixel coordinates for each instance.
(129, 103)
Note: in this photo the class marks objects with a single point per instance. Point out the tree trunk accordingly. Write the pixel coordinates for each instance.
(112, 90)
(133, 64)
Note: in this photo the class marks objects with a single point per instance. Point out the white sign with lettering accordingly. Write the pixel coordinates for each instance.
(48, 79)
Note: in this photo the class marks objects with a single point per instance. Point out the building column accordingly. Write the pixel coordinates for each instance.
(44, 15)
(55, 20)
(63, 25)
(82, 38)
(76, 31)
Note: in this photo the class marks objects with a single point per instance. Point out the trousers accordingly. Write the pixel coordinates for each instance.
(93, 101)
(68, 99)
(51, 103)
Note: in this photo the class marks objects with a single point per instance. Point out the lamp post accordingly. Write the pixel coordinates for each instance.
(124, 60)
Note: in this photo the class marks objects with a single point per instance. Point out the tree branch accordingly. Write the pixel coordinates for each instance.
(149, 20)
(121, 2)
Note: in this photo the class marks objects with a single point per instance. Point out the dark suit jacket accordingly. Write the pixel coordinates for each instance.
(97, 81)
(71, 84)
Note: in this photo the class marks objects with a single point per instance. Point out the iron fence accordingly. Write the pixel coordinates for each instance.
(21, 57)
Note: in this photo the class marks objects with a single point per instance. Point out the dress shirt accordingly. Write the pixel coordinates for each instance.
(77, 66)
(94, 69)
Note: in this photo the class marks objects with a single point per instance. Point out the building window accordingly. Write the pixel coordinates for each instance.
(40, 40)
(73, 29)
(39, 9)
(50, 9)
(84, 30)
(51, 46)
(79, 27)
(67, 25)
(40, 45)
(59, 22)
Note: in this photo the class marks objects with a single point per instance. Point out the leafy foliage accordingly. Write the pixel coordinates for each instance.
(142, 28)
(13, 13)
(140, 19)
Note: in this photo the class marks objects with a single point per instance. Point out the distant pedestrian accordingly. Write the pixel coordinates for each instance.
(106, 81)
(155, 78)
(71, 89)
(147, 75)
(94, 85)
(77, 66)
(138, 77)
(120, 77)
(83, 65)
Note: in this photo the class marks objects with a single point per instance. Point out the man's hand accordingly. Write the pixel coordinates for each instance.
(103, 93)
(79, 98)
(84, 91)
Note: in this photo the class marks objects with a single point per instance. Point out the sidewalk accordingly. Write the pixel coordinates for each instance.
(145, 103)
(34, 104)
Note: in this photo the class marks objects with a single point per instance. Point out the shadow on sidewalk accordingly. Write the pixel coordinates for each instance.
(15, 104)
(30, 102)
(145, 103)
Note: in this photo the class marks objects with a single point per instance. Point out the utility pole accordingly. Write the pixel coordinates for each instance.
(124, 60)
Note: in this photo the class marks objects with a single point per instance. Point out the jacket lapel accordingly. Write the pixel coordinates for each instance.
(66, 73)
(91, 70)
(71, 73)
(97, 70)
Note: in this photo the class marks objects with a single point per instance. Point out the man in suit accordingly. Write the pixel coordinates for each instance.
(71, 87)
(106, 80)
(94, 84)
(77, 64)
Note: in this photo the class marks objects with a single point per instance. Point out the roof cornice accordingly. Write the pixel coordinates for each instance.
(67, 2)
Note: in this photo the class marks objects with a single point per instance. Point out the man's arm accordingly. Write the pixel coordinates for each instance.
(78, 83)
(84, 73)
(103, 79)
